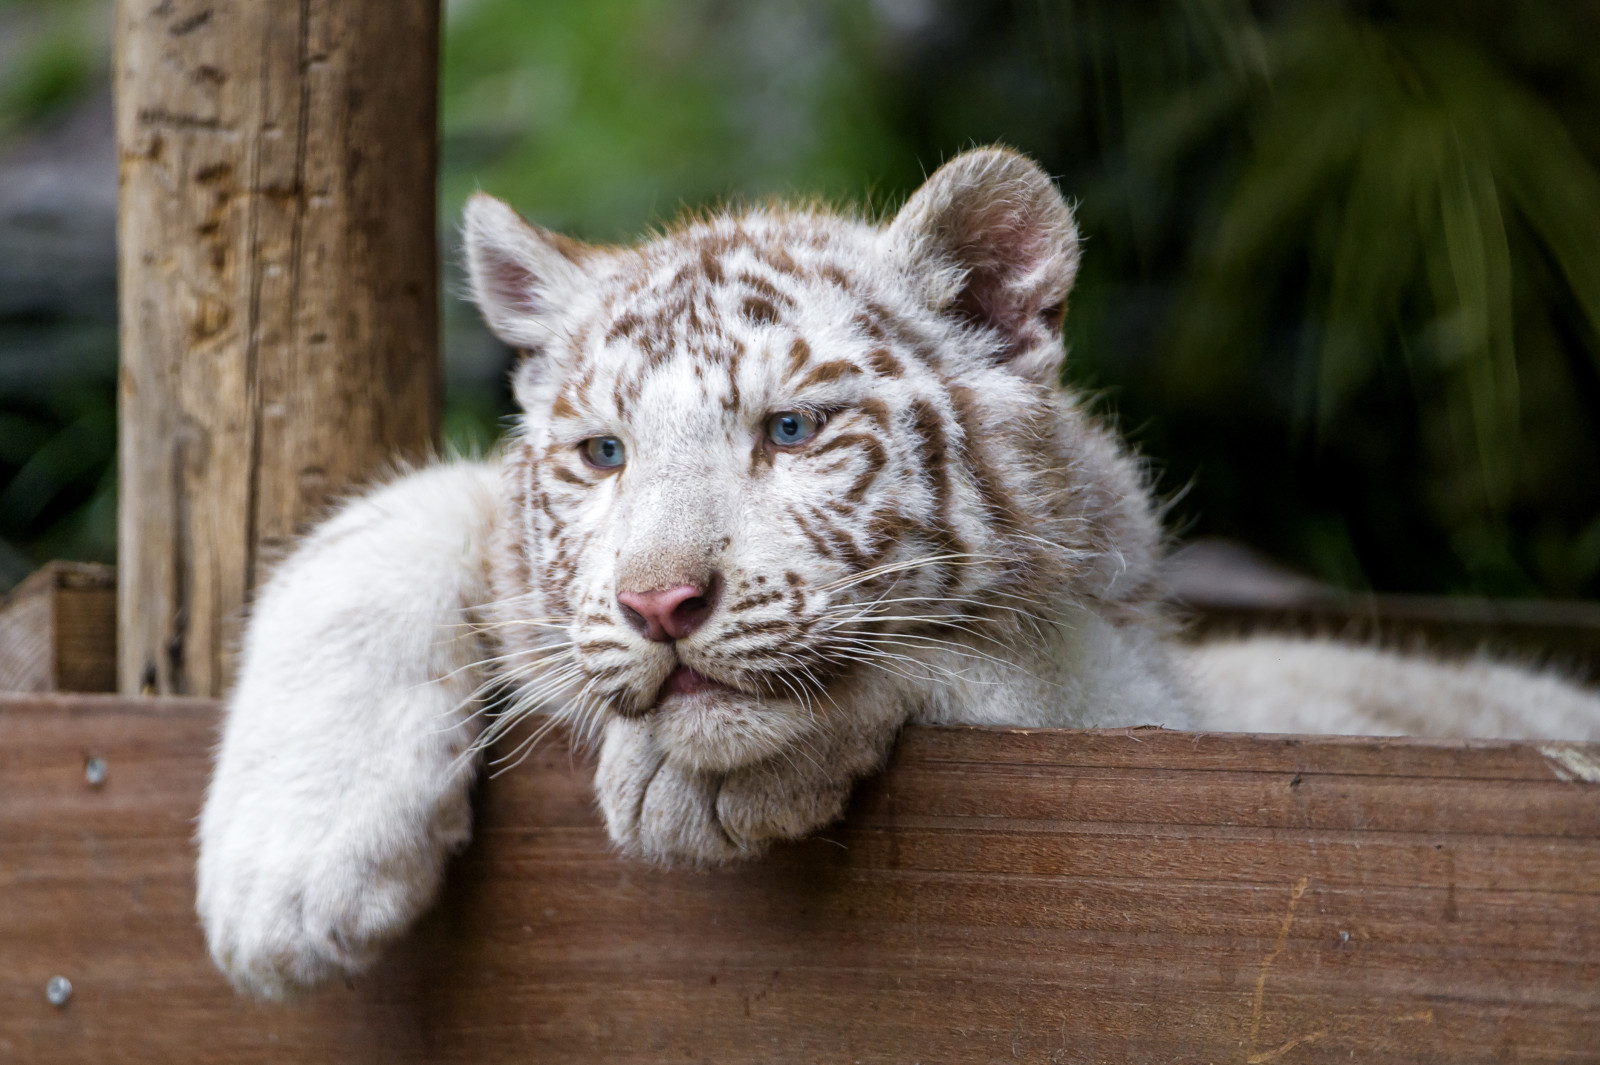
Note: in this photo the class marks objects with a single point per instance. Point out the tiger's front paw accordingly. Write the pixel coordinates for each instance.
(656, 810)
(292, 899)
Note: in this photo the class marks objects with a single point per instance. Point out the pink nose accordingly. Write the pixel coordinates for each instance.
(667, 614)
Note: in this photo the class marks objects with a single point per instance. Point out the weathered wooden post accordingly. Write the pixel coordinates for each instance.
(278, 275)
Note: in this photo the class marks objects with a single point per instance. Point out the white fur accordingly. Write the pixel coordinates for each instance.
(341, 782)
(337, 794)
(1274, 684)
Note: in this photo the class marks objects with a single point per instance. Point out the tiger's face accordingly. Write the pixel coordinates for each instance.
(771, 452)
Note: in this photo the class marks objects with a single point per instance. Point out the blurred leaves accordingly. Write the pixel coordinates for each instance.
(1408, 139)
(51, 52)
(605, 116)
(1380, 165)
(59, 500)
(57, 286)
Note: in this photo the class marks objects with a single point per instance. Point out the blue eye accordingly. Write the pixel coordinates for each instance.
(603, 452)
(789, 427)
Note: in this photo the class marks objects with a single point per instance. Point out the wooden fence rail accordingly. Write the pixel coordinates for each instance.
(1139, 895)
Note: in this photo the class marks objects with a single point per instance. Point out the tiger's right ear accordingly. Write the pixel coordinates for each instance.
(522, 276)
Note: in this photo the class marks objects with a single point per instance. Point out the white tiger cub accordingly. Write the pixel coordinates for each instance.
(784, 480)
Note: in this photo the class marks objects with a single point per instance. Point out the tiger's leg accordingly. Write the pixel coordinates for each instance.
(340, 785)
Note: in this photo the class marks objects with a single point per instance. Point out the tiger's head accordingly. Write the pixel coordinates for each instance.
(771, 451)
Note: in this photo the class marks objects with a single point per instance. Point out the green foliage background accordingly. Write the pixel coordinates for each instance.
(1342, 278)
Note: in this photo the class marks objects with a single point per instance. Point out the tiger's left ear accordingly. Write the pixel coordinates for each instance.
(991, 241)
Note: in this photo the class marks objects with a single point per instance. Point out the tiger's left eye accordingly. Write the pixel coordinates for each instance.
(789, 427)
(603, 452)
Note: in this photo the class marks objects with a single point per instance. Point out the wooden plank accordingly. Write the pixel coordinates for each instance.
(278, 271)
(998, 895)
(58, 630)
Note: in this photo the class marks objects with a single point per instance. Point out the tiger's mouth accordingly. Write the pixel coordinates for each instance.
(706, 725)
(685, 681)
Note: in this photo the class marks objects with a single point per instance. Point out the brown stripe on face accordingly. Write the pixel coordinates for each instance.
(595, 646)
(990, 486)
(870, 325)
(732, 357)
(758, 310)
(755, 601)
(823, 547)
(778, 258)
(877, 458)
(710, 265)
(562, 407)
(877, 410)
(585, 382)
(566, 476)
(832, 370)
(624, 327)
(731, 401)
(943, 537)
(843, 544)
(765, 289)
(752, 628)
(799, 355)
(884, 364)
(874, 453)
(553, 585)
(835, 275)
(652, 340)
(797, 589)
(885, 528)
(760, 459)
(929, 427)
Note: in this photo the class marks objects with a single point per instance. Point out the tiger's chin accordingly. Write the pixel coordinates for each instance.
(717, 729)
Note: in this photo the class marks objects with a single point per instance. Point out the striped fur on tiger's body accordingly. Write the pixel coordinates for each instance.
(784, 480)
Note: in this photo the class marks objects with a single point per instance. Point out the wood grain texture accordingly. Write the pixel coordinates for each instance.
(58, 630)
(997, 896)
(278, 274)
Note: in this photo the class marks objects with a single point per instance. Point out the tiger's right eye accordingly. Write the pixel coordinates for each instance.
(603, 452)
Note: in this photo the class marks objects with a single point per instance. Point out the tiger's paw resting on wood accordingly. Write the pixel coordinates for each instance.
(783, 481)
(340, 786)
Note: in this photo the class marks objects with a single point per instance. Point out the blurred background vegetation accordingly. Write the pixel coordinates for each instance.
(1341, 283)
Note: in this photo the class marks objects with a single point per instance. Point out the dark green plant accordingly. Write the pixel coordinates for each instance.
(1418, 189)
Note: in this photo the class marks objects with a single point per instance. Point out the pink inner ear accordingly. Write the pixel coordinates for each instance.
(511, 285)
(1002, 251)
